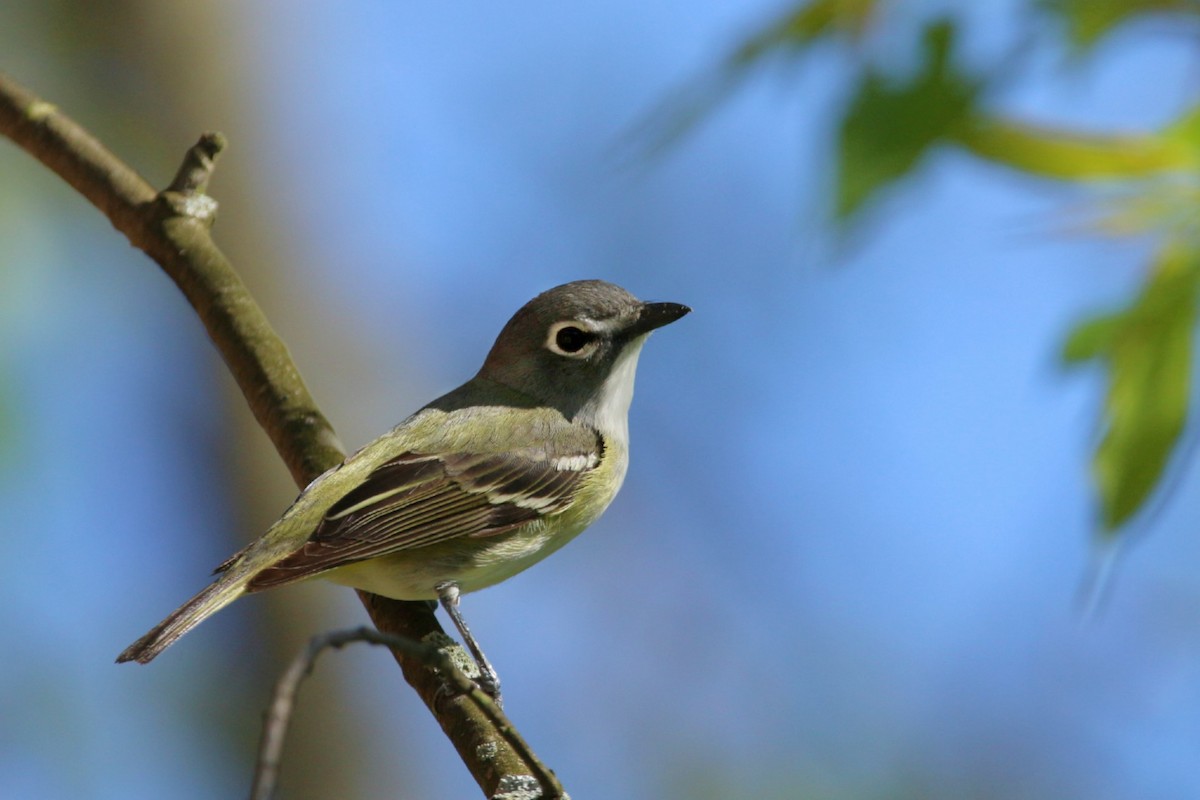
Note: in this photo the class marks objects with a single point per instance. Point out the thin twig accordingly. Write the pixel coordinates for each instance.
(198, 164)
(279, 715)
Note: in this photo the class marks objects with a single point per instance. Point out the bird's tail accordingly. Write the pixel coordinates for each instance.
(216, 596)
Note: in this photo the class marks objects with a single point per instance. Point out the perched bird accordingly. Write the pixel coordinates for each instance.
(476, 486)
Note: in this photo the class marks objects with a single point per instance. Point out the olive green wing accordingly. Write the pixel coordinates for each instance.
(416, 500)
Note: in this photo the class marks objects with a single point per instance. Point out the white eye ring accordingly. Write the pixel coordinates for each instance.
(572, 338)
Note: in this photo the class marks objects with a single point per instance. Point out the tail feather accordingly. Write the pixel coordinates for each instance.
(212, 599)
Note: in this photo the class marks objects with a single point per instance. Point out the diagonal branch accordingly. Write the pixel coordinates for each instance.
(172, 227)
(278, 717)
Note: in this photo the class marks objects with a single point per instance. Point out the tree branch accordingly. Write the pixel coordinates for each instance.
(278, 718)
(172, 227)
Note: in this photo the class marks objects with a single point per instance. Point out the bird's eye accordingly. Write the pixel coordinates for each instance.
(571, 339)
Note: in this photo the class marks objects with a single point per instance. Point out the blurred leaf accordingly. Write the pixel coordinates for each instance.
(1184, 133)
(1169, 204)
(890, 125)
(790, 35)
(1147, 349)
(1088, 21)
(1091, 338)
(1166, 207)
(1069, 155)
(804, 24)
(1160, 190)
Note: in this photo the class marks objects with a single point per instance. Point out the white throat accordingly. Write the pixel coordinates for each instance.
(608, 409)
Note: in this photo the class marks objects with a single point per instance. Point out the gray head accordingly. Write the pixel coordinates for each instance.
(563, 347)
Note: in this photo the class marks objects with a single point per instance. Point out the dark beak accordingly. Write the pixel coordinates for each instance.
(655, 315)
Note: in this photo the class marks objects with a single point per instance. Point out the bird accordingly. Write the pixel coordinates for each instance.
(473, 488)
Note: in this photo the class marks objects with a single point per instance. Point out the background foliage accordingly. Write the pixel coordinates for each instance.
(1147, 182)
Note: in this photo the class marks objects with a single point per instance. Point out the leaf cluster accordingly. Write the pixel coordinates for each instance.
(892, 120)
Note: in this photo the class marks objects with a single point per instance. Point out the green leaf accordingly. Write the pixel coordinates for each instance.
(1071, 155)
(1184, 134)
(804, 24)
(890, 125)
(1091, 338)
(1155, 176)
(1088, 21)
(1147, 349)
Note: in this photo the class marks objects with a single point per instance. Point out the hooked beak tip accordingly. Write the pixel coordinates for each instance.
(656, 315)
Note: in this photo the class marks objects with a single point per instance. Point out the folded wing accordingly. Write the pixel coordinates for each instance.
(417, 500)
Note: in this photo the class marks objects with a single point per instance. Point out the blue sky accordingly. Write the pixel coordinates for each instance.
(849, 549)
